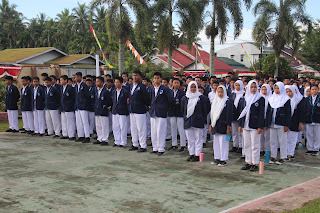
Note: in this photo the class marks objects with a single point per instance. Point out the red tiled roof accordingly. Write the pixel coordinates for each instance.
(180, 57)
(174, 64)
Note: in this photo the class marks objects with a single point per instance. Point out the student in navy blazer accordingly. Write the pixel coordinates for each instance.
(12, 98)
(67, 103)
(38, 105)
(110, 88)
(26, 105)
(92, 92)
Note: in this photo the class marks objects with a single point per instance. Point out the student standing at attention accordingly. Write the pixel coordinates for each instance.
(26, 106)
(12, 98)
(38, 102)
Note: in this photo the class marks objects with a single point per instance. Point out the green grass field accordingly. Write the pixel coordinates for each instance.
(310, 207)
(4, 125)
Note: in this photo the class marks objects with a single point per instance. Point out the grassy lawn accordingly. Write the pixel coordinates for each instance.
(310, 207)
(4, 125)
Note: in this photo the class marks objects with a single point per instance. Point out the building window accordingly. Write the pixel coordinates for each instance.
(232, 56)
(241, 58)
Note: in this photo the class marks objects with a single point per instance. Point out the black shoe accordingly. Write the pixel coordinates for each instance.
(308, 153)
(239, 150)
(190, 158)
(215, 162)
(243, 157)
(195, 159)
(86, 140)
(154, 152)
(246, 167)
(279, 162)
(72, 139)
(35, 134)
(315, 153)
(56, 136)
(96, 142)
(222, 163)
(160, 153)
(262, 153)
(41, 135)
(104, 143)
(63, 138)
(272, 161)
(24, 132)
(115, 145)
(47, 134)
(9, 130)
(30, 132)
(22, 129)
(15, 131)
(204, 145)
(168, 139)
(133, 148)
(234, 149)
(149, 144)
(172, 148)
(121, 146)
(182, 149)
(142, 150)
(254, 168)
(79, 139)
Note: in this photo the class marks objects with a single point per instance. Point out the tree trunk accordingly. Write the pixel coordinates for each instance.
(170, 48)
(213, 35)
(121, 56)
(276, 72)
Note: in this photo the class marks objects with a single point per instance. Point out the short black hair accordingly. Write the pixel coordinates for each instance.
(145, 78)
(64, 77)
(204, 79)
(222, 81)
(234, 79)
(69, 79)
(119, 79)
(53, 76)
(189, 77)
(124, 73)
(108, 75)
(110, 80)
(44, 74)
(215, 82)
(79, 74)
(48, 79)
(137, 72)
(88, 80)
(157, 74)
(100, 78)
(314, 85)
(166, 79)
(10, 78)
(36, 78)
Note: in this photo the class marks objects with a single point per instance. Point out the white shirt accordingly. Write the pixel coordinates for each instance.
(118, 93)
(133, 88)
(35, 92)
(175, 93)
(24, 88)
(78, 84)
(156, 89)
(99, 91)
(64, 88)
(314, 99)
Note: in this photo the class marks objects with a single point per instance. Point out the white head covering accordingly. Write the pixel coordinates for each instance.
(266, 97)
(297, 91)
(278, 100)
(305, 92)
(192, 98)
(217, 106)
(295, 100)
(239, 93)
(250, 99)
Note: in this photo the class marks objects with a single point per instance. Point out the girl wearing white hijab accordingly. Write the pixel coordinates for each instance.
(266, 93)
(221, 118)
(297, 118)
(237, 94)
(251, 121)
(195, 112)
(278, 119)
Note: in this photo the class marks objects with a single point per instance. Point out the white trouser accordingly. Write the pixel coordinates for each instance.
(236, 135)
(91, 122)
(53, 122)
(265, 140)
(158, 136)
(177, 124)
(39, 120)
(82, 123)
(251, 140)
(313, 137)
(13, 119)
(120, 128)
(194, 140)
(220, 147)
(138, 130)
(292, 142)
(168, 133)
(110, 121)
(102, 127)
(27, 118)
(278, 136)
(129, 125)
(68, 123)
(148, 125)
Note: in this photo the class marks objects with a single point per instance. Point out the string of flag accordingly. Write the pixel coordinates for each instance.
(300, 62)
(245, 52)
(200, 56)
(135, 52)
(103, 55)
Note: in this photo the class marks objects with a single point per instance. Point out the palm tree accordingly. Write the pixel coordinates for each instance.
(220, 21)
(99, 19)
(64, 28)
(80, 18)
(284, 19)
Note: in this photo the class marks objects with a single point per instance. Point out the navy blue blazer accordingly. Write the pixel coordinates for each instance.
(175, 109)
(38, 102)
(26, 99)
(52, 98)
(160, 103)
(312, 112)
(82, 97)
(92, 91)
(68, 98)
(102, 102)
(120, 105)
(257, 109)
(139, 100)
(298, 116)
(283, 115)
(236, 111)
(12, 97)
(199, 116)
(225, 118)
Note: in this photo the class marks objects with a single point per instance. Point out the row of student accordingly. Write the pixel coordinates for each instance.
(162, 100)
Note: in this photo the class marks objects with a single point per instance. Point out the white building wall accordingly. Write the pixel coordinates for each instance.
(41, 59)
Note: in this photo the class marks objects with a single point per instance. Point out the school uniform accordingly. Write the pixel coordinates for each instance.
(52, 103)
(26, 108)
(236, 135)
(68, 118)
(176, 119)
(148, 123)
(82, 110)
(120, 114)
(38, 110)
(161, 98)
(102, 102)
(110, 90)
(138, 103)
(91, 112)
(12, 98)
(312, 120)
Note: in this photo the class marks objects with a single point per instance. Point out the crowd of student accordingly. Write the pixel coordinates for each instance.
(258, 114)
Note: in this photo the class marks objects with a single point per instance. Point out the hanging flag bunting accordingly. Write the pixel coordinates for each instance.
(200, 56)
(300, 62)
(135, 52)
(104, 57)
(245, 52)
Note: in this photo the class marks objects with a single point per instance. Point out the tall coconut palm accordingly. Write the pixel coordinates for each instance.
(220, 21)
(64, 28)
(283, 18)
(80, 18)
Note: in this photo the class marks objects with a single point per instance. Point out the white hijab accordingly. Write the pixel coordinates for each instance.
(295, 100)
(217, 106)
(297, 92)
(192, 98)
(266, 97)
(305, 92)
(278, 100)
(239, 93)
(250, 99)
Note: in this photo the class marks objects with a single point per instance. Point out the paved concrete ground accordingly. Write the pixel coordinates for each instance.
(52, 175)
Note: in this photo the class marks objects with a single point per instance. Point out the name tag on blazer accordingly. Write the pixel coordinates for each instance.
(102, 98)
(256, 104)
(51, 94)
(161, 91)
